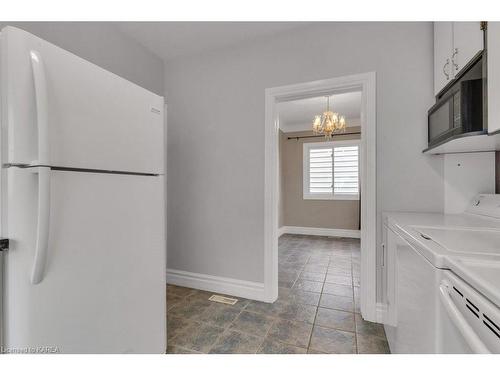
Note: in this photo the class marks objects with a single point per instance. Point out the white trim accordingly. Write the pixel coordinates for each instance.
(271, 194)
(165, 176)
(329, 232)
(330, 197)
(382, 309)
(365, 82)
(281, 231)
(216, 284)
(368, 188)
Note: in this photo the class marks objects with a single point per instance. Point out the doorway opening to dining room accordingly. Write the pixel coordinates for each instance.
(320, 194)
(319, 197)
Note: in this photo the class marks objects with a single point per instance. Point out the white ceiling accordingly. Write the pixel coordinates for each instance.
(170, 40)
(297, 115)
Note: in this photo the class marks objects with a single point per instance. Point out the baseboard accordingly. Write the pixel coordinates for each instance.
(350, 233)
(281, 231)
(233, 287)
(381, 312)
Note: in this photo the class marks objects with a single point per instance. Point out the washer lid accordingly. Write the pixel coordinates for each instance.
(463, 240)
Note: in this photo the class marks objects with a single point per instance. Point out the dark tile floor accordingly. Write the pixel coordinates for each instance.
(317, 310)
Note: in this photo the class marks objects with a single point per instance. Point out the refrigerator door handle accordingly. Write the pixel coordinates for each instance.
(42, 230)
(41, 108)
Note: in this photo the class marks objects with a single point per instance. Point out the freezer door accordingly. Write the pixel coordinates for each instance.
(102, 286)
(61, 110)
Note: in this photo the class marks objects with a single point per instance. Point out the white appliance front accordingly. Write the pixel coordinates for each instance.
(61, 110)
(415, 300)
(468, 322)
(101, 285)
(437, 312)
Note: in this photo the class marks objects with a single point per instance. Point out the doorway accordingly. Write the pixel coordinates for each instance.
(364, 84)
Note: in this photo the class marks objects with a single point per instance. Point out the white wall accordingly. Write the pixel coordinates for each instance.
(104, 45)
(216, 134)
(465, 176)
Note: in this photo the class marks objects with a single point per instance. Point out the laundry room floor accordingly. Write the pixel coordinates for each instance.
(317, 310)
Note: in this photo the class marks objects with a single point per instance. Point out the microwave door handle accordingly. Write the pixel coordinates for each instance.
(460, 322)
(445, 66)
(455, 53)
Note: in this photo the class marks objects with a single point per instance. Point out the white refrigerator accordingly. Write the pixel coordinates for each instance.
(82, 205)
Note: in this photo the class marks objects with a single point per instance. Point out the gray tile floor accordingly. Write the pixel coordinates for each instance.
(317, 310)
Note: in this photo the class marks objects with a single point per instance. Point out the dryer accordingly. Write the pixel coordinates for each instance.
(443, 280)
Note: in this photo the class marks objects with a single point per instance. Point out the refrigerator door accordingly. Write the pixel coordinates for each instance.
(102, 282)
(61, 110)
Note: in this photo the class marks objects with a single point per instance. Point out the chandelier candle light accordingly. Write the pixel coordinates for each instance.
(329, 122)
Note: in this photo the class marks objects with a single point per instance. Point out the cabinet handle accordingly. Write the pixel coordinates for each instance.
(383, 255)
(455, 53)
(444, 69)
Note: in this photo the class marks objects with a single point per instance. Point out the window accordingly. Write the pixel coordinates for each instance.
(331, 170)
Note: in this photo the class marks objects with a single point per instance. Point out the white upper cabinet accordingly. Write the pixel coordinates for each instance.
(493, 77)
(443, 47)
(467, 42)
(455, 44)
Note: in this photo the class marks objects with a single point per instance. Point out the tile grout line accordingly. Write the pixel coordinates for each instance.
(327, 253)
(354, 305)
(317, 308)
(204, 323)
(267, 332)
(226, 329)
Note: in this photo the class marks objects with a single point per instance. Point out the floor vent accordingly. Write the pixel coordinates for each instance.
(222, 299)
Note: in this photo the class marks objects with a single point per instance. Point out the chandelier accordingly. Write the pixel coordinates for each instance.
(328, 123)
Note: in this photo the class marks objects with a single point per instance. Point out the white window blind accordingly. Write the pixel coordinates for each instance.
(320, 170)
(331, 170)
(345, 170)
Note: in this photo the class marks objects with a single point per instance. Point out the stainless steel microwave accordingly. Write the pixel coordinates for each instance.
(460, 107)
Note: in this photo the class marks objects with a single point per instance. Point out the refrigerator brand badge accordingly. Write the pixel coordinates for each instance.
(155, 110)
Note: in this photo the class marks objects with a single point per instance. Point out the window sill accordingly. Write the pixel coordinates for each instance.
(329, 197)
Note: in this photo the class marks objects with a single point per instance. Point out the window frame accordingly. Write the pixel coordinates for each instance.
(305, 170)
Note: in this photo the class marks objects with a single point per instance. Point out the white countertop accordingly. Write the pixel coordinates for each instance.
(467, 244)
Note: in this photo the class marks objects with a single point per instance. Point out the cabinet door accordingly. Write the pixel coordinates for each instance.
(443, 45)
(391, 277)
(417, 282)
(467, 42)
(493, 77)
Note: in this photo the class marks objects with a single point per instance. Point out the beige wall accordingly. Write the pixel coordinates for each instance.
(299, 212)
